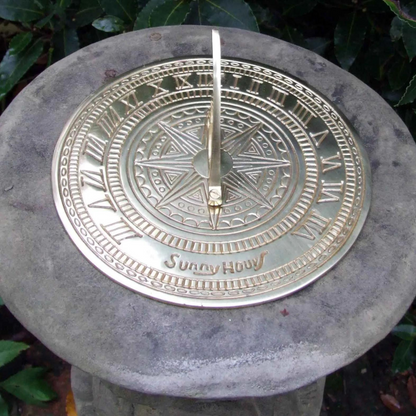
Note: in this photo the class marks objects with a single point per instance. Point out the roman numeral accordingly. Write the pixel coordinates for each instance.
(330, 164)
(302, 113)
(120, 231)
(318, 138)
(105, 203)
(96, 179)
(158, 89)
(181, 82)
(278, 96)
(328, 191)
(94, 146)
(131, 102)
(236, 79)
(109, 121)
(312, 226)
(205, 79)
(254, 86)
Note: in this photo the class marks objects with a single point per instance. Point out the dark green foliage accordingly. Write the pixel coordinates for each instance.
(65, 42)
(406, 332)
(293, 35)
(399, 73)
(362, 36)
(125, 10)
(405, 353)
(88, 11)
(143, 17)
(14, 66)
(296, 8)
(9, 350)
(349, 38)
(401, 11)
(231, 13)
(403, 356)
(409, 95)
(171, 12)
(318, 45)
(108, 24)
(27, 385)
(21, 10)
(19, 43)
(409, 40)
(4, 408)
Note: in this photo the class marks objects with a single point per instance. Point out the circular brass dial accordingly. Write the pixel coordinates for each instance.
(131, 183)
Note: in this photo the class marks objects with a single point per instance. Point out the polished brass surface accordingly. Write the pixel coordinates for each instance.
(132, 177)
(214, 136)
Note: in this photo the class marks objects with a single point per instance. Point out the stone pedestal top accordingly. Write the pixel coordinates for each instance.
(156, 348)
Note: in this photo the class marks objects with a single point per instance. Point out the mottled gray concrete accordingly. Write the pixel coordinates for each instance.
(162, 349)
(95, 397)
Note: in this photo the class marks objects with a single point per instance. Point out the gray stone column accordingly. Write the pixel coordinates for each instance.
(96, 397)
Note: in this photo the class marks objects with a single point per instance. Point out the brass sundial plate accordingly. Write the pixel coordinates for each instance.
(130, 184)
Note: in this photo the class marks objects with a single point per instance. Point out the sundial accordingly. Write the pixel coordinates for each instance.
(264, 125)
(211, 181)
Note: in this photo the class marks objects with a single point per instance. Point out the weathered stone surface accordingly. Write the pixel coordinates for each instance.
(157, 348)
(100, 398)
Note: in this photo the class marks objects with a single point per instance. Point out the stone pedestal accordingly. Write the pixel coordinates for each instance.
(96, 397)
(159, 349)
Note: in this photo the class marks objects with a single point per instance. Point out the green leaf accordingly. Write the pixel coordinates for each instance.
(318, 45)
(109, 24)
(334, 383)
(349, 38)
(143, 18)
(60, 7)
(403, 356)
(410, 94)
(292, 35)
(4, 408)
(123, 9)
(296, 8)
(396, 29)
(375, 6)
(88, 11)
(408, 318)
(19, 42)
(9, 350)
(20, 10)
(376, 59)
(229, 13)
(262, 14)
(43, 22)
(64, 43)
(62, 4)
(171, 12)
(409, 40)
(195, 16)
(392, 97)
(13, 67)
(400, 13)
(406, 332)
(29, 386)
(399, 74)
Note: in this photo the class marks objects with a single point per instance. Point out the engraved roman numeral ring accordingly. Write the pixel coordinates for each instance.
(209, 181)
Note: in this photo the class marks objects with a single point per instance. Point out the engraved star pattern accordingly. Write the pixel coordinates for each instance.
(246, 161)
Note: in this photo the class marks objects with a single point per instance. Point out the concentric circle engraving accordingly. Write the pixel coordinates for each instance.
(130, 180)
